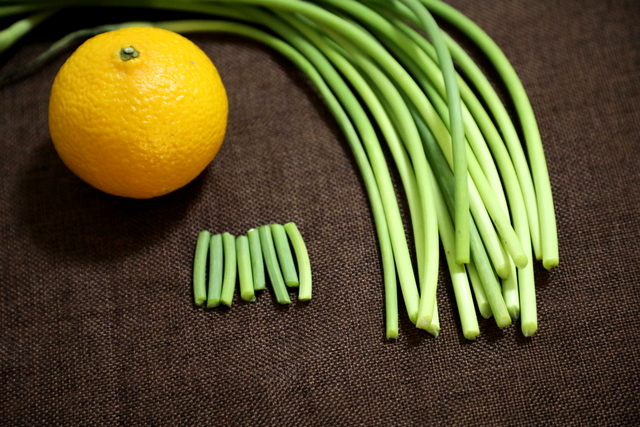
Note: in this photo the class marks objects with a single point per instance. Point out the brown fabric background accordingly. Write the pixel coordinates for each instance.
(97, 325)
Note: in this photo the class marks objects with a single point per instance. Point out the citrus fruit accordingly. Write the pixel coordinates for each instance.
(138, 112)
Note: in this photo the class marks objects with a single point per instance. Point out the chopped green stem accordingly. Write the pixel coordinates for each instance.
(244, 268)
(200, 268)
(230, 269)
(548, 228)
(302, 257)
(462, 216)
(285, 257)
(216, 269)
(273, 268)
(481, 299)
(257, 262)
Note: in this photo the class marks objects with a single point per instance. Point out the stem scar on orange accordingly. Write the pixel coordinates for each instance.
(138, 112)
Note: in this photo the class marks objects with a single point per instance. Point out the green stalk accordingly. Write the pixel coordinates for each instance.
(200, 268)
(498, 111)
(285, 257)
(548, 228)
(510, 293)
(386, 31)
(481, 298)
(512, 164)
(20, 28)
(273, 268)
(477, 206)
(230, 269)
(244, 269)
(434, 327)
(462, 217)
(257, 262)
(302, 256)
(464, 300)
(394, 104)
(216, 269)
(409, 290)
(19, 9)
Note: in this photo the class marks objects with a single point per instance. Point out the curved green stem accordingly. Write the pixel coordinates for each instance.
(548, 228)
(20, 28)
(462, 217)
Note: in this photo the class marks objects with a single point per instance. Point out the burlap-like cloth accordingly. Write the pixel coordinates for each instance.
(97, 324)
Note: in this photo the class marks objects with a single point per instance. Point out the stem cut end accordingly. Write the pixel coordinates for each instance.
(424, 322)
(129, 52)
(529, 328)
(550, 263)
(471, 334)
(248, 296)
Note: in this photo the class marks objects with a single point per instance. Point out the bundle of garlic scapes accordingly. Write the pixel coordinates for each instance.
(386, 71)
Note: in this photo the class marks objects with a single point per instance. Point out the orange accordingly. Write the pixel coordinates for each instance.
(138, 112)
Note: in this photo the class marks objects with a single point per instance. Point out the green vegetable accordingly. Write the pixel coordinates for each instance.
(244, 268)
(216, 269)
(257, 262)
(302, 256)
(273, 268)
(285, 257)
(478, 291)
(230, 269)
(200, 268)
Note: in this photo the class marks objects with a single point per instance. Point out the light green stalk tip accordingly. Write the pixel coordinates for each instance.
(529, 328)
(502, 270)
(514, 311)
(424, 322)
(485, 310)
(471, 334)
(392, 334)
(521, 261)
(248, 296)
(434, 330)
(550, 263)
(503, 321)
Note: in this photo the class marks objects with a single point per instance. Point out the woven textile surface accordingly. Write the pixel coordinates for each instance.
(97, 324)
